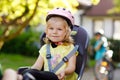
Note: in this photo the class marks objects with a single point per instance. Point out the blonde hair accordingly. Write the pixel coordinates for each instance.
(68, 39)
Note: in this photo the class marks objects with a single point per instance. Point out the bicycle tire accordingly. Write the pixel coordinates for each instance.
(111, 72)
(98, 71)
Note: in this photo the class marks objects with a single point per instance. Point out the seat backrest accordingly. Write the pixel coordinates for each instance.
(81, 38)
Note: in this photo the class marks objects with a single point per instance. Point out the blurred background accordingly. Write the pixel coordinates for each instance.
(23, 21)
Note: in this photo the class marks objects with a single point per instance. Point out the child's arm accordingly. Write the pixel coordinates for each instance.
(10, 74)
(38, 64)
(69, 69)
(99, 46)
(71, 65)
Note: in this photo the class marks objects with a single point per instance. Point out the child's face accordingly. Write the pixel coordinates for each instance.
(97, 37)
(56, 29)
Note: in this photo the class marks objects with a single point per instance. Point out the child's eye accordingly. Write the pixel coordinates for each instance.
(51, 28)
(60, 29)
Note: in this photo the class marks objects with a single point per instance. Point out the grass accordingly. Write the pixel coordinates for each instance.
(91, 63)
(15, 61)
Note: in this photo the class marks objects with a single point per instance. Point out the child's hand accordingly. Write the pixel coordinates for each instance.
(61, 75)
(19, 77)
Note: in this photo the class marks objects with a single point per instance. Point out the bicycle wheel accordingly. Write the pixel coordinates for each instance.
(111, 72)
(101, 70)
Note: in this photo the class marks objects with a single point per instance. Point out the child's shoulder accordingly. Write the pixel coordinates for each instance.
(69, 46)
(44, 46)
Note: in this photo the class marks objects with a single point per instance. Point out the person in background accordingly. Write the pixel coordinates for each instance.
(101, 45)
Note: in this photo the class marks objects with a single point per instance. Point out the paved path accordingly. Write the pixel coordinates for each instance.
(88, 74)
(117, 74)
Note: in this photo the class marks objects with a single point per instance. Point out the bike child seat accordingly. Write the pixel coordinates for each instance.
(81, 38)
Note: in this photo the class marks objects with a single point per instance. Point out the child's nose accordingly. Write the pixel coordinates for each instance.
(54, 31)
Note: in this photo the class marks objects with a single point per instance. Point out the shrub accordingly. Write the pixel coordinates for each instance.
(115, 46)
(23, 44)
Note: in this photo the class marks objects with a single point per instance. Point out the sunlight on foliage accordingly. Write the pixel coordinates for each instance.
(95, 2)
(69, 4)
(15, 8)
(116, 8)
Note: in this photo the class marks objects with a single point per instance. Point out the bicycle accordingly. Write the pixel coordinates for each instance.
(104, 68)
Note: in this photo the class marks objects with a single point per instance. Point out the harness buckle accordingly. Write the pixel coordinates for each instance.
(48, 56)
(65, 59)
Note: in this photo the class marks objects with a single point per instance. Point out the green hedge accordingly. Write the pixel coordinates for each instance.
(115, 46)
(24, 44)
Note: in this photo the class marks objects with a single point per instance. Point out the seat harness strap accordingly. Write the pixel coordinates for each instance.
(48, 56)
(65, 59)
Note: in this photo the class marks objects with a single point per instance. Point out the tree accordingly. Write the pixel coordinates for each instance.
(15, 15)
(116, 8)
